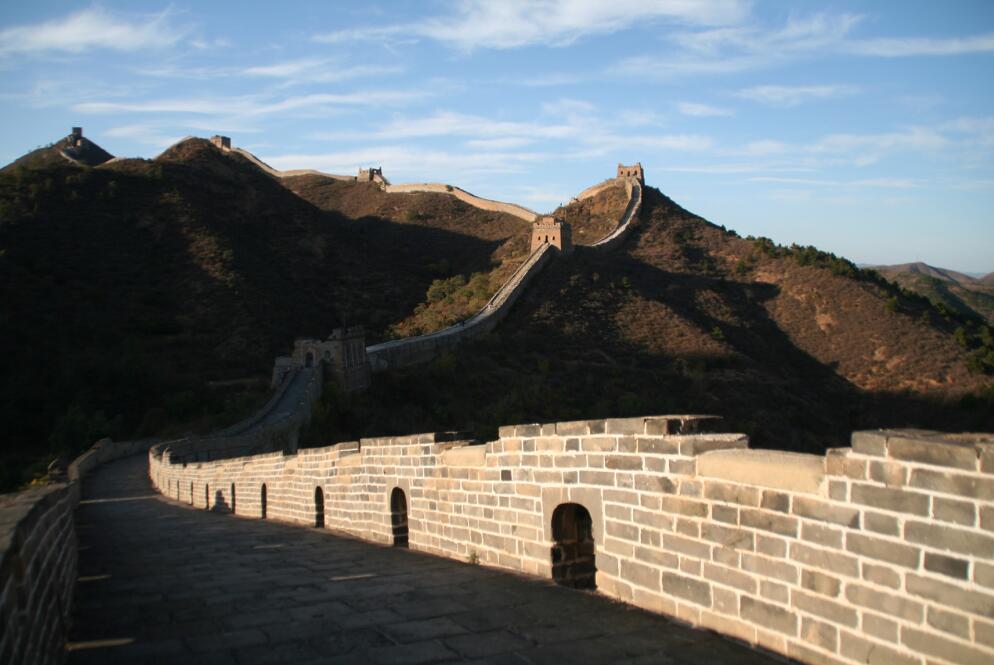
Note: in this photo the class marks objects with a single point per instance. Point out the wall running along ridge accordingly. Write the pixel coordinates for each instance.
(412, 350)
(463, 195)
(616, 237)
(38, 560)
(882, 552)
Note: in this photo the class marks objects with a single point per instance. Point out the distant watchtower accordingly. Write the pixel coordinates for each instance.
(222, 142)
(76, 136)
(371, 175)
(554, 232)
(634, 171)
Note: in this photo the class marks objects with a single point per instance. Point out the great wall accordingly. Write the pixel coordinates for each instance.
(881, 552)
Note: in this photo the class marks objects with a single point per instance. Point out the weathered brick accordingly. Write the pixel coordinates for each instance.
(695, 591)
(654, 483)
(820, 634)
(987, 518)
(624, 462)
(931, 644)
(838, 490)
(939, 453)
(672, 504)
(981, 489)
(725, 601)
(821, 534)
(947, 565)
(759, 519)
(870, 443)
(885, 603)
(647, 446)
(625, 425)
(951, 510)
(891, 474)
(814, 557)
(862, 650)
(621, 530)
(950, 595)
(599, 444)
(882, 575)
(983, 574)
(821, 583)
(771, 546)
(884, 550)
(729, 577)
(580, 427)
(805, 654)
(731, 493)
(770, 568)
(949, 622)
(827, 609)
(686, 546)
(950, 538)
(640, 574)
(881, 523)
(880, 627)
(728, 536)
(725, 514)
(768, 616)
(778, 501)
(895, 500)
(779, 593)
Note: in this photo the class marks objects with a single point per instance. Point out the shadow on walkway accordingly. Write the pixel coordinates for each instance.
(161, 582)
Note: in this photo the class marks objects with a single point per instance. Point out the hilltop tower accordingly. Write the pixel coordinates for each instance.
(76, 137)
(633, 171)
(556, 232)
(222, 142)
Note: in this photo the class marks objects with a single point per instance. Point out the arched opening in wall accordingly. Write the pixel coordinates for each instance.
(232, 498)
(398, 517)
(318, 507)
(262, 501)
(309, 359)
(207, 497)
(573, 551)
(191, 492)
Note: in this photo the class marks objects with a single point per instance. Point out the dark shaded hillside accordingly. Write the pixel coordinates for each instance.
(87, 153)
(794, 347)
(129, 289)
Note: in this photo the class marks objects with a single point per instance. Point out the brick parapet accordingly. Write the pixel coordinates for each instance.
(38, 560)
(883, 549)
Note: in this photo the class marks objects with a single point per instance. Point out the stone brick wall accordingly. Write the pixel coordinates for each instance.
(618, 235)
(880, 553)
(38, 558)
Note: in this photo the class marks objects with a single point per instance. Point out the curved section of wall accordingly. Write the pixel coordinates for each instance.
(38, 560)
(616, 237)
(276, 426)
(276, 173)
(461, 194)
(413, 350)
(884, 548)
(590, 192)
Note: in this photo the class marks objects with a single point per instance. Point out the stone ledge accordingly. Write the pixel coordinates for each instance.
(465, 456)
(967, 451)
(774, 469)
(650, 425)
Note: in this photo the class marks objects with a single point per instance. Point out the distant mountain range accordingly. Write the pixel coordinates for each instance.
(958, 291)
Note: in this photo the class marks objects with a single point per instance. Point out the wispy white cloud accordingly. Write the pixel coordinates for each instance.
(143, 133)
(505, 24)
(90, 29)
(253, 105)
(702, 110)
(793, 95)
(886, 183)
(317, 70)
(898, 47)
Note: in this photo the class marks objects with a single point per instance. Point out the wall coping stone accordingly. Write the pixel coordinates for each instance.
(465, 456)
(967, 451)
(774, 469)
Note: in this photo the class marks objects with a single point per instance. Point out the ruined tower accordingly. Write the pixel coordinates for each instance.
(633, 171)
(223, 142)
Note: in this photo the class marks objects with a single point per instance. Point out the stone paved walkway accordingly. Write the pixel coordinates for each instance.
(161, 582)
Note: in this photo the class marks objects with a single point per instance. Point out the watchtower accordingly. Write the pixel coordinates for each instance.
(222, 142)
(76, 136)
(343, 355)
(553, 231)
(370, 175)
(634, 171)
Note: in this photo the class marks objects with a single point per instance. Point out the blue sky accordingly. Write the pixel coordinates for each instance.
(864, 128)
